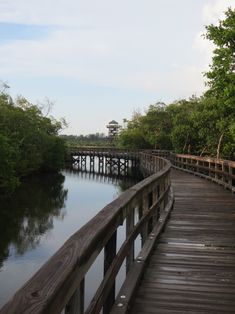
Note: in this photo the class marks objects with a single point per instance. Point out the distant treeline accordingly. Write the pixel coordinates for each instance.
(204, 125)
(97, 139)
(194, 126)
(28, 142)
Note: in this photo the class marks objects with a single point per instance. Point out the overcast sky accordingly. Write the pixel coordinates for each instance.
(99, 60)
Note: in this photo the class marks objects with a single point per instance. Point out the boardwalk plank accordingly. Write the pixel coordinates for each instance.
(192, 268)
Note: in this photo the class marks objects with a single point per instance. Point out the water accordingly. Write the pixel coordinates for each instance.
(41, 216)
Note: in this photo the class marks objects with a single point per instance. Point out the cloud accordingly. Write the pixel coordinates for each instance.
(211, 13)
(90, 13)
(126, 44)
(214, 11)
(102, 56)
(39, 12)
(204, 48)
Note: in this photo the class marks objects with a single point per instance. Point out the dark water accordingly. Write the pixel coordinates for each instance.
(44, 212)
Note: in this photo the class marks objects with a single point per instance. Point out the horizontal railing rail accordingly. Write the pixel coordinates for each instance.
(94, 150)
(105, 152)
(219, 171)
(59, 284)
(102, 149)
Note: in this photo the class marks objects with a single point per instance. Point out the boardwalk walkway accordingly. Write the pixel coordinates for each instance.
(192, 269)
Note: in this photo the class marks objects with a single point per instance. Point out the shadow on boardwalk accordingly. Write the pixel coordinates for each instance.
(192, 269)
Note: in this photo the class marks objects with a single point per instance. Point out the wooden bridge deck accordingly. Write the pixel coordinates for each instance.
(192, 269)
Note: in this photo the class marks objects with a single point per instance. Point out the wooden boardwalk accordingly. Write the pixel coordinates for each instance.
(192, 269)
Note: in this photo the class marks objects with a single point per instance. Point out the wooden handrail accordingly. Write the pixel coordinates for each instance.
(220, 171)
(59, 284)
(102, 149)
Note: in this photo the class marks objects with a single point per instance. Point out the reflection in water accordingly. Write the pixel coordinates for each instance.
(122, 181)
(43, 213)
(29, 213)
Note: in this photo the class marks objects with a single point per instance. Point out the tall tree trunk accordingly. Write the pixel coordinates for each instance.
(185, 144)
(219, 146)
(189, 148)
(202, 152)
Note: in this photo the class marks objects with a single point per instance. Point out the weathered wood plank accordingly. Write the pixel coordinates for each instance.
(192, 268)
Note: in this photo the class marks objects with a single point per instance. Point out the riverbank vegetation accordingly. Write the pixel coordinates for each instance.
(97, 139)
(28, 141)
(199, 125)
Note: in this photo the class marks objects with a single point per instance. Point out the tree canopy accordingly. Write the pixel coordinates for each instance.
(97, 139)
(204, 125)
(28, 141)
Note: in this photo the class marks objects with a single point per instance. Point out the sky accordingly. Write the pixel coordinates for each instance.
(99, 60)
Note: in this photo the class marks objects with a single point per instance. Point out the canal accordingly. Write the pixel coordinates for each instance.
(44, 212)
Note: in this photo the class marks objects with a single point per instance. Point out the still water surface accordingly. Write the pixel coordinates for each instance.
(41, 216)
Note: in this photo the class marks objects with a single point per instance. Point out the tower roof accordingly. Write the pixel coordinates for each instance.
(113, 122)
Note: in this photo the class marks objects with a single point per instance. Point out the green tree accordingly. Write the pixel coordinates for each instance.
(205, 125)
(8, 157)
(156, 126)
(184, 133)
(221, 77)
(29, 141)
(133, 136)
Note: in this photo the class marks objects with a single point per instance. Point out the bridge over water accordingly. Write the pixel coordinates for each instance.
(186, 263)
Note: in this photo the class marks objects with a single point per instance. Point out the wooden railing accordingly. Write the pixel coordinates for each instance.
(218, 170)
(102, 150)
(113, 150)
(59, 284)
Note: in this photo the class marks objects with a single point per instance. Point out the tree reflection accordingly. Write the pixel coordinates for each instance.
(122, 181)
(30, 212)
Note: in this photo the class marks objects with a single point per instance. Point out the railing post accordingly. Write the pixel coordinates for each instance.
(145, 208)
(109, 255)
(161, 191)
(156, 212)
(166, 184)
(197, 167)
(230, 182)
(216, 169)
(129, 228)
(223, 176)
(188, 162)
(209, 170)
(76, 303)
(150, 203)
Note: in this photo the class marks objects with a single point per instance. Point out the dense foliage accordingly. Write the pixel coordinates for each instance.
(97, 139)
(205, 125)
(28, 142)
